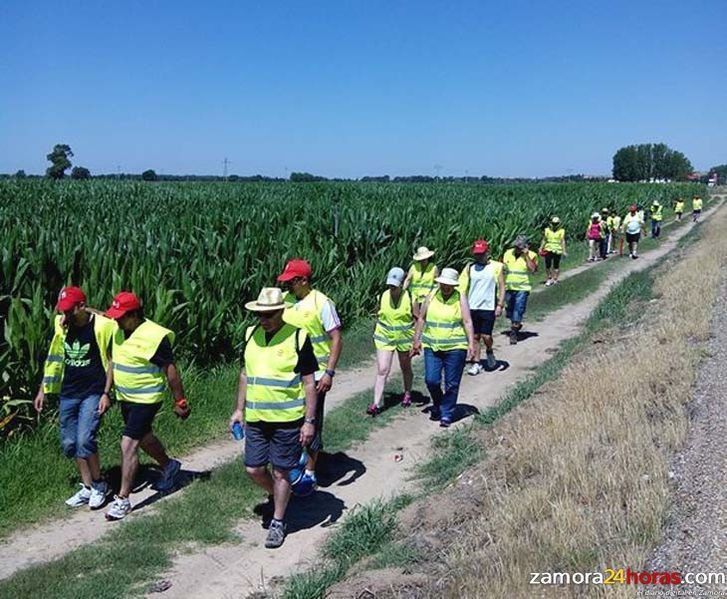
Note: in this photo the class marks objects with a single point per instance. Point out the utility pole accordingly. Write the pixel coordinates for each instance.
(225, 162)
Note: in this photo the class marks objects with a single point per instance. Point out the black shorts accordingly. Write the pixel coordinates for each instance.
(633, 237)
(552, 260)
(276, 443)
(138, 418)
(697, 211)
(483, 321)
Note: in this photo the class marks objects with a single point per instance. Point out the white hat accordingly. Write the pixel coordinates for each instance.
(269, 300)
(423, 253)
(595, 215)
(449, 276)
(395, 277)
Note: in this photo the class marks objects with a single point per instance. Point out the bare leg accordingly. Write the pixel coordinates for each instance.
(261, 477)
(384, 359)
(153, 447)
(478, 348)
(129, 464)
(488, 342)
(281, 493)
(84, 471)
(94, 466)
(406, 372)
(556, 274)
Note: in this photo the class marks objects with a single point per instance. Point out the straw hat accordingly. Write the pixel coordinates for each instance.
(449, 276)
(269, 300)
(423, 253)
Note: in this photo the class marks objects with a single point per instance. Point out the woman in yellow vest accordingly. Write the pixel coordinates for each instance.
(394, 332)
(420, 278)
(696, 208)
(553, 248)
(519, 263)
(678, 208)
(444, 329)
(276, 400)
(143, 365)
(657, 215)
(77, 369)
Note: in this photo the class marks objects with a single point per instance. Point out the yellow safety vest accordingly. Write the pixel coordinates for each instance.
(697, 204)
(394, 326)
(517, 275)
(275, 392)
(136, 379)
(615, 223)
(306, 314)
(443, 326)
(679, 207)
(103, 329)
(553, 240)
(656, 214)
(422, 281)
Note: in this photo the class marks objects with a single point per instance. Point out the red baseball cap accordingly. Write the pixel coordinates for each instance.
(124, 302)
(296, 267)
(480, 247)
(69, 298)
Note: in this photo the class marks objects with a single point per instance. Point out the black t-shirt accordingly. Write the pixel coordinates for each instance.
(83, 372)
(307, 363)
(163, 356)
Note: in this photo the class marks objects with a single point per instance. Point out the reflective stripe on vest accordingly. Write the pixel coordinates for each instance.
(306, 314)
(395, 325)
(275, 392)
(657, 214)
(517, 275)
(103, 329)
(443, 327)
(136, 379)
(422, 281)
(553, 240)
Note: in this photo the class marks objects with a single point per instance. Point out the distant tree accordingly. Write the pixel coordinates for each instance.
(20, 174)
(305, 178)
(149, 175)
(59, 159)
(80, 172)
(644, 162)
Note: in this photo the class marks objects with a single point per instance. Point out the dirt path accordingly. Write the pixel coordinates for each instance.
(695, 539)
(237, 570)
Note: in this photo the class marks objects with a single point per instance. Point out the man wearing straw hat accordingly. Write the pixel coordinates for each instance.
(276, 400)
(420, 278)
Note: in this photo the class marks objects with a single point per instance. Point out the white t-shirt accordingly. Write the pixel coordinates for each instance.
(329, 317)
(483, 283)
(633, 224)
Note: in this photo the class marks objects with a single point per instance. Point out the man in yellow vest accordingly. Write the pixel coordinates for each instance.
(657, 215)
(309, 309)
(696, 208)
(519, 263)
(276, 400)
(678, 208)
(143, 365)
(77, 369)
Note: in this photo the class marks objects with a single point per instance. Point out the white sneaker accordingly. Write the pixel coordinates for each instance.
(474, 369)
(80, 498)
(119, 509)
(99, 493)
(549, 282)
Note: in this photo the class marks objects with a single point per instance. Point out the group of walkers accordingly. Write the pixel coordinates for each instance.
(290, 358)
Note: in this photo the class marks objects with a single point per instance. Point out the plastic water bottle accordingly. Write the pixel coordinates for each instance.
(238, 432)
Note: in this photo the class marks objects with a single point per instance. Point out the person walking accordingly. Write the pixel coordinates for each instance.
(394, 333)
(633, 225)
(276, 402)
(603, 242)
(420, 278)
(553, 249)
(310, 310)
(519, 263)
(77, 369)
(444, 330)
(696, 208)
(678, 209)
(143, 366)
(594, 233)
(483, 281)
(657, 215)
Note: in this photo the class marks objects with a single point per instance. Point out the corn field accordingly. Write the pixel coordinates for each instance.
(195, 252)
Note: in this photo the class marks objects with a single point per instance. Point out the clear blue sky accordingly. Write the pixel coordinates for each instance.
(345, 88)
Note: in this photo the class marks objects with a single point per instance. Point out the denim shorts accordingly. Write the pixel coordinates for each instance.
(79, 425)
(515, 304)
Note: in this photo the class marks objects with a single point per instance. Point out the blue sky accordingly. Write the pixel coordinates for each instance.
(344, 88)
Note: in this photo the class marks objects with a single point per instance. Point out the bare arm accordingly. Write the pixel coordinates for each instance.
(307, 431)
(530, 262)
(407, 280)
(238, 414)
(336, 346)
(467, 322)
(175, 381)
(500, 292)
(105, 402)
(419, 327)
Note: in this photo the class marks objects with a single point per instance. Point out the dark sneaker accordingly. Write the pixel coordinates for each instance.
(513, 337)
(435, 415)
(169, 476)
(444, 423)
(406, 400)
(490, 360)
(276, 535)
(373, 410)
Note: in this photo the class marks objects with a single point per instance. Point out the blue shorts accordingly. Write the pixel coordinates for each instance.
(79, 425)
(275, 443)
(515, 304)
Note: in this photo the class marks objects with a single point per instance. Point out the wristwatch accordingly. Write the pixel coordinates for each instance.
(330, 372)
(310, 420)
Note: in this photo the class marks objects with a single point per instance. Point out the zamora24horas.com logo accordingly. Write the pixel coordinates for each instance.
(76, 354)
(628, 576)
